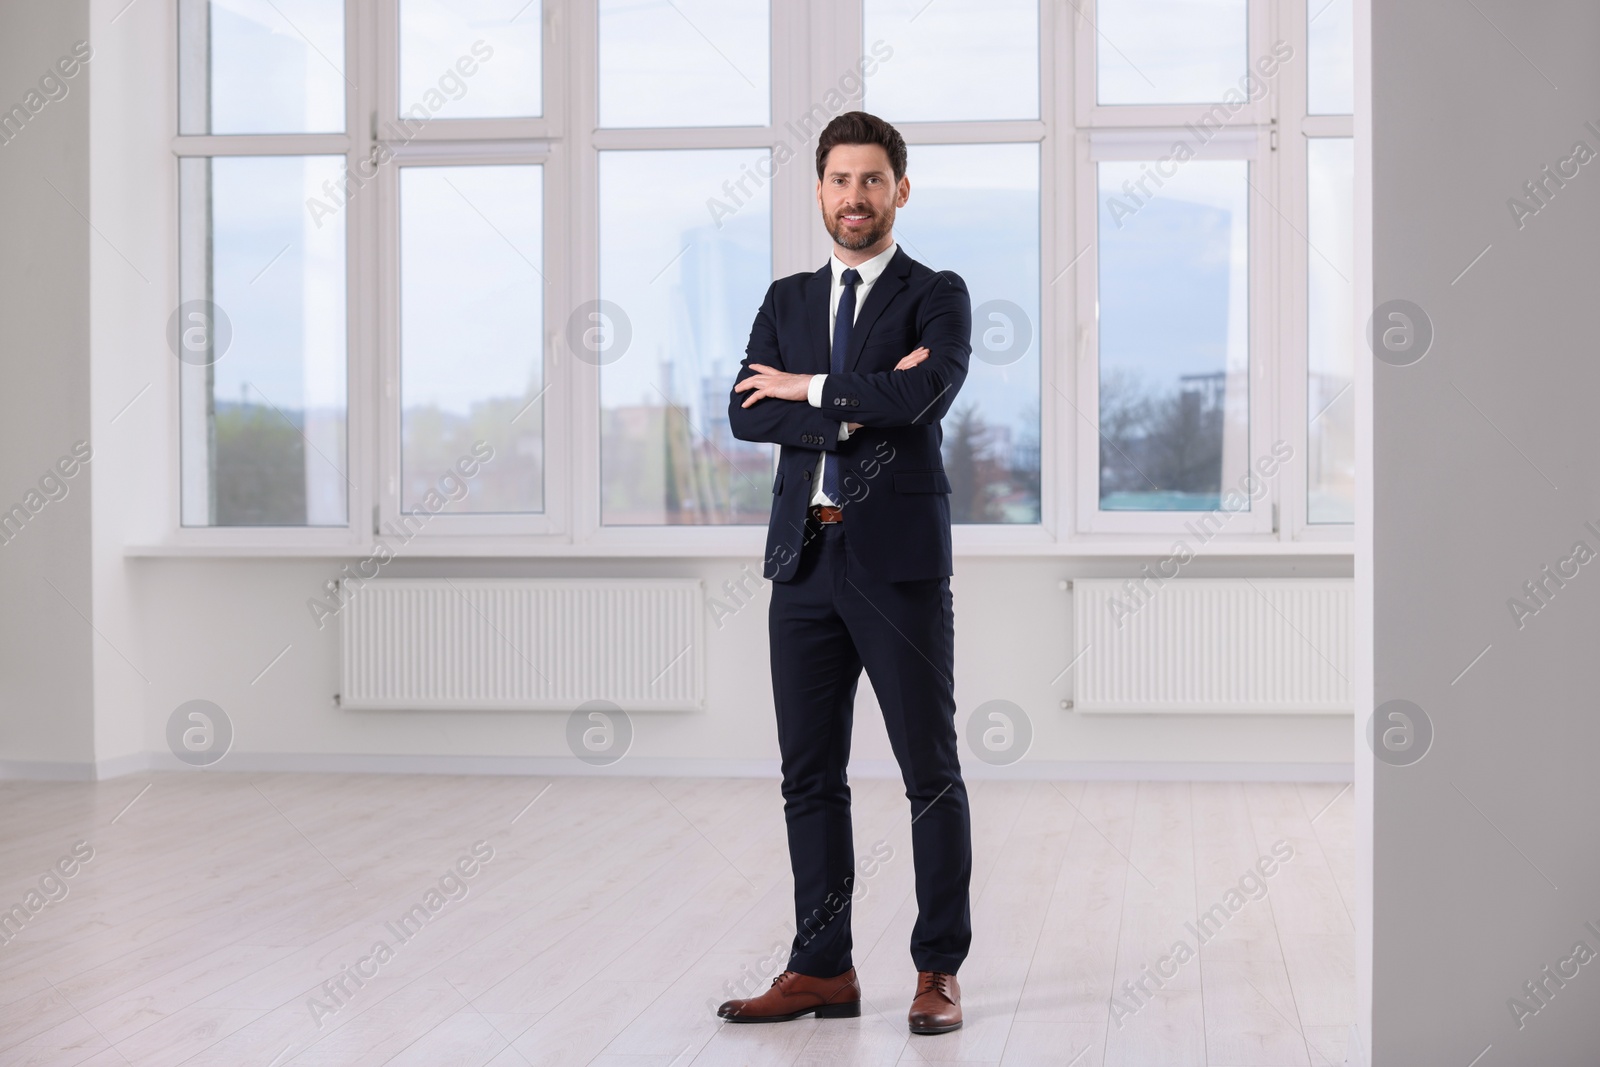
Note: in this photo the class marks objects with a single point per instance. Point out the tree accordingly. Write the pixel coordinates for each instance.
(260, 468)
(974, 472)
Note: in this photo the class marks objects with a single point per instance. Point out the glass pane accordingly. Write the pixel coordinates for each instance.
(1330, 61)
(684, 63)
(471, 59)
(261, 66)
(261, 340)
(682, 288)
(1330, 339)
(471, 337)
(991, 435)
(1173, 323)
(1171, 51)
(951, 61)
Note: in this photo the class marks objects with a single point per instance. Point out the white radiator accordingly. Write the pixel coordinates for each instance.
(1213, 645)
(523, 644)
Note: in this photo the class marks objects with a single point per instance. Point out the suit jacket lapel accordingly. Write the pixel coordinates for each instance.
(889, 283)
(819, 347)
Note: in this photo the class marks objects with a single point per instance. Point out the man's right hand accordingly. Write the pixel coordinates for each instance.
(909, 361)
(915, 356)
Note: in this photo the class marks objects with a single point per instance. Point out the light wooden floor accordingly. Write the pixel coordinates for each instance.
(615, 911)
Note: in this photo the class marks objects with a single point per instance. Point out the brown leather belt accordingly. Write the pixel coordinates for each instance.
(825, 514)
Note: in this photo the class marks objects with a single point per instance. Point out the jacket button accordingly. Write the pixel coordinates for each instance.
(808, 476)
(855, 403)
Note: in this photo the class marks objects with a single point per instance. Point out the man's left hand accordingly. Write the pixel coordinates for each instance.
(771, 382)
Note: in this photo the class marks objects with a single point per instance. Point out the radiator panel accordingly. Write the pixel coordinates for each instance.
(1213, 645)
(523, 644)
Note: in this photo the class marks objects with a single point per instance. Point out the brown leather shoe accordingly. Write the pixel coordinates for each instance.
(936, 1009)
(794, 994)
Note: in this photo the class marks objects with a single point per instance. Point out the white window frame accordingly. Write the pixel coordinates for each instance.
(1252, 147)
(1298, 128)
(359, 409)
(1050, 530)
(447, 525)
(1136, 132)
(820, 39)
(788, 84)
(467, 142)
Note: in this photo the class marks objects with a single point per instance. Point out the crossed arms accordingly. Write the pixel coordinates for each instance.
(768, 403)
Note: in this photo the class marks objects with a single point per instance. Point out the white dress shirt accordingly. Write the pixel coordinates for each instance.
(869, 272)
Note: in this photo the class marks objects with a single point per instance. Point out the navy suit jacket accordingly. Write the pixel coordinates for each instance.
(891, 475)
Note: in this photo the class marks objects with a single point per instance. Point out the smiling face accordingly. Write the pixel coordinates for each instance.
(858, 197)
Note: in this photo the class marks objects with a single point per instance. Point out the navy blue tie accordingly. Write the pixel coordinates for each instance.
(843, 321)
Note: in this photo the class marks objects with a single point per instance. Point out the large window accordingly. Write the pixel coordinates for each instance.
(497, 261)
(1213, 298)
(1174, 383)
(955, 61)
(255, 66)
(260, 330)
(684, 63)
(683, 285)
(1169, 51)
(1330, 344)
(685, 244)
(505, 35)
(963, 83)
(991, 435)
(471, 323)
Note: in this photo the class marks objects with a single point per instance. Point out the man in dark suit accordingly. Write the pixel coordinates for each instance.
(850, 369)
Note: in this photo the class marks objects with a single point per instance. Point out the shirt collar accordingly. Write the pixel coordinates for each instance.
(869, 270)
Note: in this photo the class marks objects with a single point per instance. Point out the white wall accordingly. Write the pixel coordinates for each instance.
(134, 271)
(211, 625)
(47, 649)
(180, 629)
(1485, 869)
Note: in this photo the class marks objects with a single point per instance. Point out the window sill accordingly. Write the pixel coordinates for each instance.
(748, 542)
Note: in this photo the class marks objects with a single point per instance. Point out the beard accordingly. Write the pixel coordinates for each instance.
(877, 227)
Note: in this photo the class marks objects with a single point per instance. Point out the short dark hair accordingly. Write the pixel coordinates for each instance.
(858, 127)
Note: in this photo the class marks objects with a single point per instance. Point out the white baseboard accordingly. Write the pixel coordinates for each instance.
(21, 770)
(1154, 771)
(663, 767)
(118, 766)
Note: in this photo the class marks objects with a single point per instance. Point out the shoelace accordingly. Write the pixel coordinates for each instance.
(936, 980)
